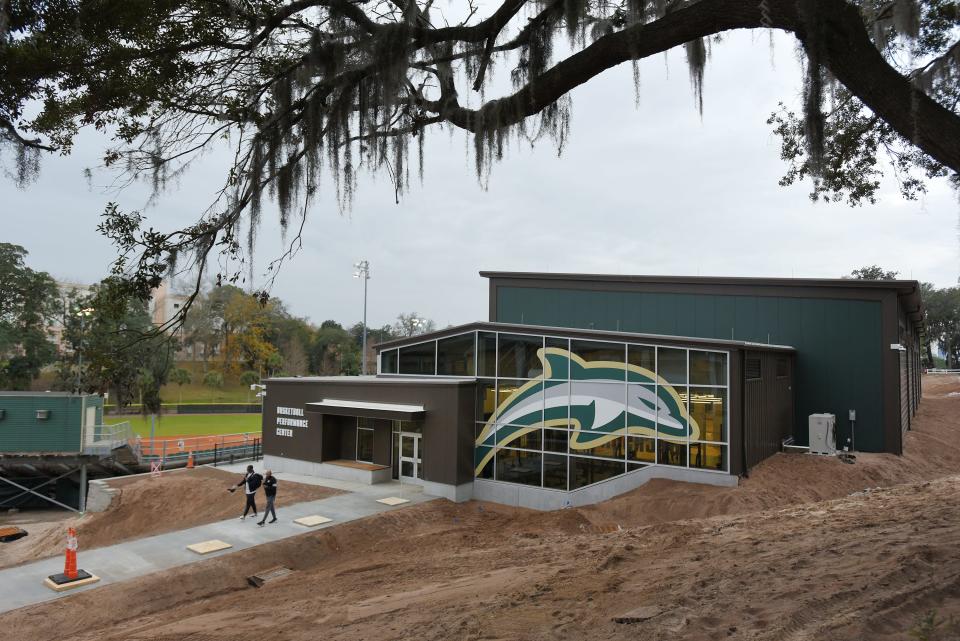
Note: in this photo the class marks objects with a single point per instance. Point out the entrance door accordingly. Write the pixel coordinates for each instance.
(410, 456)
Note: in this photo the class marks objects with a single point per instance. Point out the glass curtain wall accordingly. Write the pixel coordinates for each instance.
(565, 413)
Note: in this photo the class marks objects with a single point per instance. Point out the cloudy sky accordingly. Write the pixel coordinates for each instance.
(652, 189)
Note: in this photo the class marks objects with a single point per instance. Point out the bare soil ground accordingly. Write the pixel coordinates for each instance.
(144, 506)
(806, 549)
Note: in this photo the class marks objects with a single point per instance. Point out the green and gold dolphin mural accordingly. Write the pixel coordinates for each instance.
(598, 411)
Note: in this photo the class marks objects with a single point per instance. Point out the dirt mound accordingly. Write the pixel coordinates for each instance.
(807, 548)
(144, 506)
(864, 566)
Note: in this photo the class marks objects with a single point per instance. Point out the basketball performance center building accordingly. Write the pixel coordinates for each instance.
(582, 387)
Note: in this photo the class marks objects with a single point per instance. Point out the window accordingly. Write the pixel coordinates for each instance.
(517, 356)
(708, 368)
(514, 466)
(632, 406)
(388, 362)
(593, 351)
(364, 441)
(672, 365)
(708, 409)
(455, 355)
(418, 359)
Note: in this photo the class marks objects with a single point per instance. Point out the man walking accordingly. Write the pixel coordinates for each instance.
(251, 481)
(270, 489)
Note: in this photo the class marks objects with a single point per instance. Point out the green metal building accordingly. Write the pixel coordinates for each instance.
(857, 342)
(47, 422)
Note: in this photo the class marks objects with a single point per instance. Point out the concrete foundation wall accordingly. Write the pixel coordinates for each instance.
(326, 470)
(99, 495)
(537, 498)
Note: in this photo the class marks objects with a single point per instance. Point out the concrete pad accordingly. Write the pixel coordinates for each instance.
(312, 520)
(206, 547)
(63, 587)
(393, 500)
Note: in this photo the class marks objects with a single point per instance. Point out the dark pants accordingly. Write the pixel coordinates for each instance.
(251, 504)
(269, 509)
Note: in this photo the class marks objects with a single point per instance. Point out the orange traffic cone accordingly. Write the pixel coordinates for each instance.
(70, 562)
(190, 461)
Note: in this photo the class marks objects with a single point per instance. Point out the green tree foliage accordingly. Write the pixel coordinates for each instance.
(296, 89)
(28, 301)
(412, 325)
(873, 272)
(942, 326)
(213, 379)
(249, 377)
(181, 377)
(121, 353)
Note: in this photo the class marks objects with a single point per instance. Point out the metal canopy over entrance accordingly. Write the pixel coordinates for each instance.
(367, 409)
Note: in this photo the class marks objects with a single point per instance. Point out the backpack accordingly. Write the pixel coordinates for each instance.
(254, 482)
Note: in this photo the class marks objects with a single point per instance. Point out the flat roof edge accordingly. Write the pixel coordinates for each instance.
(588, 334)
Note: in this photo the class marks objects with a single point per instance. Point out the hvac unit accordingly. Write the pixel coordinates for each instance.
(823, 434)
(43, 415)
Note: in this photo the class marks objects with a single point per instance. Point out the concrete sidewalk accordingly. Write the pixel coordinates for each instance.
(23, 585)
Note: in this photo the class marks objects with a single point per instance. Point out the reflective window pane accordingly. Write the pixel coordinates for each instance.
(672, 364)
(519, 438)
(669, 453)
(555, 440)
(486, 354)
(707, 456)
(455, 355)
(613, 448)
(585, 471)
(594, 351)
(598, 406)
(514, 466)
(486, 399)
(519, 402)
(418, 359)
(365, 445)
(409, 426)
(556, 399)
(483, 458)
(644, 357)
(642, 405)
(560, 367)
(641, 450)
(388, 362)
(708, 409)
(555, 472)
(708, 368)
(517, 356)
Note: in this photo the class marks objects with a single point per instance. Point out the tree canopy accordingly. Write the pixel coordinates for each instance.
(299, 87)
(28, 301)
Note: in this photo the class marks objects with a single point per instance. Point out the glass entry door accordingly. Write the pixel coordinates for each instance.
(411, 453)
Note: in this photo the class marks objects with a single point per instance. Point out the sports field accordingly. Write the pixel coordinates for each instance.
(191, 424)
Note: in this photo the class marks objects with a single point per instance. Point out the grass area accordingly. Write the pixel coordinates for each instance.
(191, 424)
(199, 393)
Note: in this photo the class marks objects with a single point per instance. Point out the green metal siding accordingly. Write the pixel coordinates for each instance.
(838, 341)
(21, 431)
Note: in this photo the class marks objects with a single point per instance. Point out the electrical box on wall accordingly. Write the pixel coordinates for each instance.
(823, 434)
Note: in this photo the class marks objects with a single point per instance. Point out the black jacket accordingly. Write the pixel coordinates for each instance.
(270, 486)
(252, 481)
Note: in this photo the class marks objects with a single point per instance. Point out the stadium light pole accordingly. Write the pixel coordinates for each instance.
(82, 314)
(363, 271)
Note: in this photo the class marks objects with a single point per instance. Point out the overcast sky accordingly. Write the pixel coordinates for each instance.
(638, 190)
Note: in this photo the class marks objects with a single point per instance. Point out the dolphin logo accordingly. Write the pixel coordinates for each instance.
(599, 411)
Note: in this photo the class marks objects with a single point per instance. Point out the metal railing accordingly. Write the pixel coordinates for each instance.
(940, 370)
(175, 451)
(102, 439)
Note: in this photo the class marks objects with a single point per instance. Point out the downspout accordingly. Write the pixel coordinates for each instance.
(743, 412)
